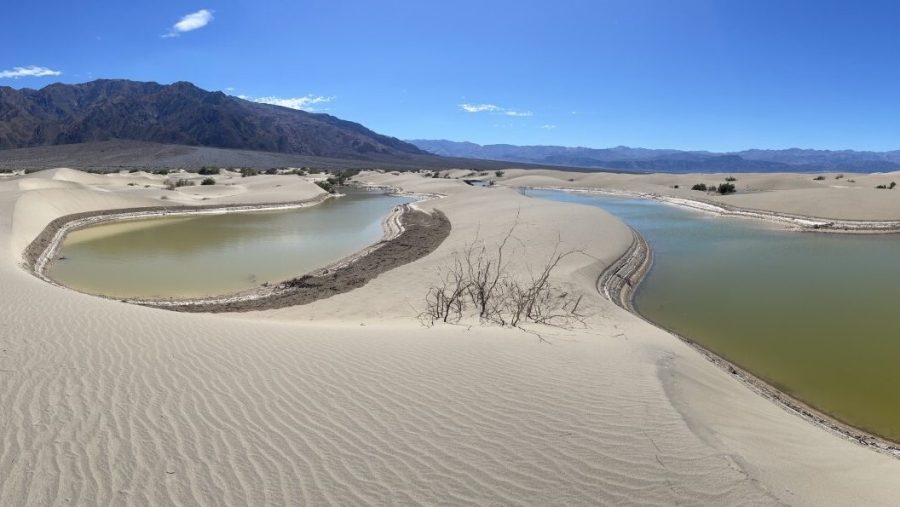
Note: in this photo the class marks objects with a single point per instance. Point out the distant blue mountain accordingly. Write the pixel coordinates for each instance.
(672, 161)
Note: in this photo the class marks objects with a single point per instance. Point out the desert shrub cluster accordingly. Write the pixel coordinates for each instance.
(477, 281)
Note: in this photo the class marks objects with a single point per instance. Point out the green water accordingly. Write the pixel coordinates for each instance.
(218, 254)
(813, 314)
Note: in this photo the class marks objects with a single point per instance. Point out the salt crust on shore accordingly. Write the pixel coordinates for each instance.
(351, 400)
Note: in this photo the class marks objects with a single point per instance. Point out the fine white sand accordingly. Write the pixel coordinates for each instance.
(350, 400)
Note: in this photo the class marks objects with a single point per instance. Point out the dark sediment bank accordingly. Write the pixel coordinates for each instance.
(421, 234)
(410, 234)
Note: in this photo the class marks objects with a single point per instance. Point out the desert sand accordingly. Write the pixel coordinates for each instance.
(351, 400)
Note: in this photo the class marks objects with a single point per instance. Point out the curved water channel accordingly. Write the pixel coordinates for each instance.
(813, 314)
(204, 255)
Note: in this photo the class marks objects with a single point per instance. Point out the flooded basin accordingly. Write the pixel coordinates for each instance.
(218, 254)
(813, 314)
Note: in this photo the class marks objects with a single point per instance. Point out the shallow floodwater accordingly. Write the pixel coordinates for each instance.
(813, 314)
(218, 254)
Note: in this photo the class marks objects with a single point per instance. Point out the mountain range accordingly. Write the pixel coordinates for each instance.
(673, 161)
(122, 123)
(181, 114)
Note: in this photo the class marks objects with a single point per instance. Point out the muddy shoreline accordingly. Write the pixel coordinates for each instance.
(409, 234)
(412, 235)
(620, 281)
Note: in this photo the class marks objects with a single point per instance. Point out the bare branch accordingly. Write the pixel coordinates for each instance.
(478, 277)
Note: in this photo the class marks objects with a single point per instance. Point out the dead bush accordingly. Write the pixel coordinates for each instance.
(478, 281)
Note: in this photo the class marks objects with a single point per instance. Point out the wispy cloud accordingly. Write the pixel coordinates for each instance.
(191, 22)
(307, 103)
(548, 127)
(493, 108)
(480, 108)
(30, 71)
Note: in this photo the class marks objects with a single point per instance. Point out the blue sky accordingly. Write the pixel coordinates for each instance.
(688, 74)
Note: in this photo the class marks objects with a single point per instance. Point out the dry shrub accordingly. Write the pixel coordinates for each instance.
(478, 281)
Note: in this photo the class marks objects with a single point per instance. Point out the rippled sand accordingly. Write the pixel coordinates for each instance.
(350, 400)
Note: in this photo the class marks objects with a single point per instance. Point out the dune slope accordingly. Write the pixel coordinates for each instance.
(351, 400)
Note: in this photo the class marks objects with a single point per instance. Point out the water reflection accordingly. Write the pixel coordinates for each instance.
(216, 254)
(814, 314)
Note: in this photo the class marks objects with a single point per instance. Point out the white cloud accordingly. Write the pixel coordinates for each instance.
(306, 103)
(191, 22)
(30, 71)
(480, 108)
(548, 127)
(491, 108)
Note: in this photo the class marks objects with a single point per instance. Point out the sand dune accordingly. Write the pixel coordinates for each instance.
(350, 400)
